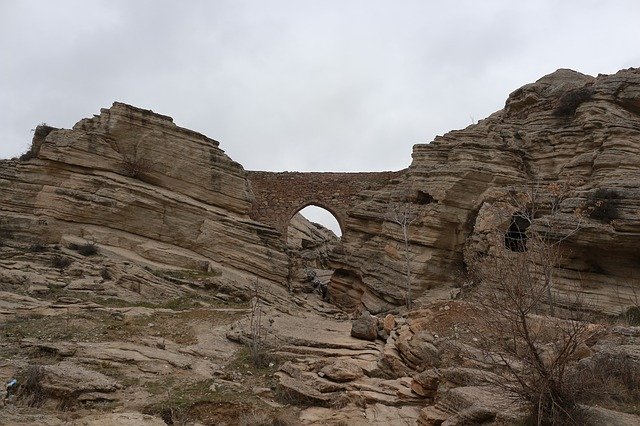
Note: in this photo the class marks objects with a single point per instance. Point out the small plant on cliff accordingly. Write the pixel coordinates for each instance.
(602, 205)
(134, 163)
(571, 100)
(86, 249)
(40, 132)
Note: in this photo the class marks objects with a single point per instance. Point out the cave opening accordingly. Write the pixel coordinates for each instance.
(515, 239)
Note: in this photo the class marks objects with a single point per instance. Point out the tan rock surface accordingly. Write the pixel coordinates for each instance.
(452, 177)
(187, 208)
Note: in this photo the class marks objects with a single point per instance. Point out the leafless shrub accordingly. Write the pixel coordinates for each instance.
(135, 163)
(86, 249)
(105, 273)
(256, 343)
(30, 390)
(531, 354)
(571, 100)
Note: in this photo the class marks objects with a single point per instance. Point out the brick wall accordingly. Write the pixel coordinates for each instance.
(280, 195)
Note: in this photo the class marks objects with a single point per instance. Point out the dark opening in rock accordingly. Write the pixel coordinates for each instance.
(424, 198)
(516, 237)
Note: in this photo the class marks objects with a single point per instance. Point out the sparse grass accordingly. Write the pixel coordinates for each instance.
(60, 262)
(632, 316)
(612, 381)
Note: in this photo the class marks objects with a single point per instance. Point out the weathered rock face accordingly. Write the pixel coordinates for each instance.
(565, 127)
(132, 180)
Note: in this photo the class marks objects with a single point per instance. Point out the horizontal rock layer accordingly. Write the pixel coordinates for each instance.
(542, 136)
(132, 180)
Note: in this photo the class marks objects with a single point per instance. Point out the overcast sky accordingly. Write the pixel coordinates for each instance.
(297, 85)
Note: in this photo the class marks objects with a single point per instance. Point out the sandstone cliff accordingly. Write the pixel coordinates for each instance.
(565, 127)
(134, 183)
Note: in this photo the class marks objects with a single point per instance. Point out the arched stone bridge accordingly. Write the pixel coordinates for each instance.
(280, 195)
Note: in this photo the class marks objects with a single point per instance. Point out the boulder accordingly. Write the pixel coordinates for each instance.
(365, 327)
(342, 371)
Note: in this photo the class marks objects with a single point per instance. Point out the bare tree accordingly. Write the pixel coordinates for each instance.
(531, 353)
(256, 343)
(535, 224)
(403, 216)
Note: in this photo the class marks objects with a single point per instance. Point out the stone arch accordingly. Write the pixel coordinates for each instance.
(334, 212)
(277, 196)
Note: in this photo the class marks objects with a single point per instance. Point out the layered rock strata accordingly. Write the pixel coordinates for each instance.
(132, 181)
(569, 129)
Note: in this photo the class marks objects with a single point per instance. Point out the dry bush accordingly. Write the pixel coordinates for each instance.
(571, 100)
(60, 262)
(86, 249)
(135, 163)
(530, 354)
(602, 205)
(610, 380)
(30, 390)
(37, 247)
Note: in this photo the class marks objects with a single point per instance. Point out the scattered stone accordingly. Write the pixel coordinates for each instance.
(426, 383)
(388, 323)
(431, 416)
(342, 371)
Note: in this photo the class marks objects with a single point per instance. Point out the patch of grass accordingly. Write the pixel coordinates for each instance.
(202, 401)
(5, 234)
(60, 262)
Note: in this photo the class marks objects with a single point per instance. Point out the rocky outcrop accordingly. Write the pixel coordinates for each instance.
(133, 182)
(567, 128)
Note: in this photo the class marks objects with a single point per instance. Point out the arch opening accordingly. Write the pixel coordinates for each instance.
(313, 233)
(311, 225)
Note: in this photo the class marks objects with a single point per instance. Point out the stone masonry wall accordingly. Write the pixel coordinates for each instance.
(280, 195)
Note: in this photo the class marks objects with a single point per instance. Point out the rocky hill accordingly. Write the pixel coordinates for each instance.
(135, 287)
(568, 129)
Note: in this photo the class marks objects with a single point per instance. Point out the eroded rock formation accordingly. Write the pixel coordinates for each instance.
(566, 127)
(132, 181)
